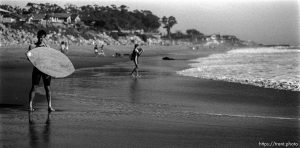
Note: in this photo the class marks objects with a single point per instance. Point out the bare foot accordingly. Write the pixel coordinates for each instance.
(31, 109)
(50, 109)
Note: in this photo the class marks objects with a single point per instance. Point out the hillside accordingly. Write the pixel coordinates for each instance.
(115, 25)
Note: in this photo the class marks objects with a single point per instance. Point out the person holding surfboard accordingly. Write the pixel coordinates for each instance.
(37, 75)
(137, 51)
(64, 47)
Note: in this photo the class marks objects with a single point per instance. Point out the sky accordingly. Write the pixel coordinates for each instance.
(262, 21)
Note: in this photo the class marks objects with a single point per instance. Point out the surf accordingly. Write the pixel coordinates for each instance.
(271, 67)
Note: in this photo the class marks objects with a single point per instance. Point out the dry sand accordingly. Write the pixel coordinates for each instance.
(106, 107)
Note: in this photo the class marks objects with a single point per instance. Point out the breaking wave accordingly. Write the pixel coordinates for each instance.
(264, 67)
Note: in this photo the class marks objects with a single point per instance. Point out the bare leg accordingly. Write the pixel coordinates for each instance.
(30, 118)
(136, 66)
(137, 72)
(135, 69)
(31, 96)
(48, 96)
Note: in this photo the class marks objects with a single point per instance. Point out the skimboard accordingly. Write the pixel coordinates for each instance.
(51, 61)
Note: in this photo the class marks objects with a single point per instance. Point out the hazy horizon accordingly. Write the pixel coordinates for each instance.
(265, 21)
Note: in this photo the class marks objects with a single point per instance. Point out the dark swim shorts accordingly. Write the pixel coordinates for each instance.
(36, 76)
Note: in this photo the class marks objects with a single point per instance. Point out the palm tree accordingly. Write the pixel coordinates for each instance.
(32, 8)
(123, 8)
(169, 23)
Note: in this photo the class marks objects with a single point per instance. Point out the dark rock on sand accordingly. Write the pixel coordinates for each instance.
(168, 58)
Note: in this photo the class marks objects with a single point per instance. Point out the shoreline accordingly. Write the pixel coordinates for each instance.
(265, 80)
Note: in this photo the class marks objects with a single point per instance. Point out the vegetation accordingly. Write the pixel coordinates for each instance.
(115, 21)
(169, 22)
(100, 18)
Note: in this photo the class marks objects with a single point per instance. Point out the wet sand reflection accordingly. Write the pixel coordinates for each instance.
(39, 133)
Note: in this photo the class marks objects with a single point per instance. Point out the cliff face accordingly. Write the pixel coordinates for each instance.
(26, 34)
(19, 35)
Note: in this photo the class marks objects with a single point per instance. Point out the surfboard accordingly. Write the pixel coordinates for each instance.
(51, 61)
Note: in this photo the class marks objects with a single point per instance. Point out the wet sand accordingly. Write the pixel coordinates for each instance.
(101, 105)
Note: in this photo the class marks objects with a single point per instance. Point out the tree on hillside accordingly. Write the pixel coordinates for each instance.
(168, 24)
(123, 8)
(16, 11)
(71, 8)
(104, 18)
(150, 21)
(194, 34)
(34, 8)
(56, 9)
(8, 8)
(178, 35)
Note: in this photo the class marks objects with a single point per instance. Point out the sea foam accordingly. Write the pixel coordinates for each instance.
(264, 67)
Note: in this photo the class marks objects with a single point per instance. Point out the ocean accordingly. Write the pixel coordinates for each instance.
(272, 67)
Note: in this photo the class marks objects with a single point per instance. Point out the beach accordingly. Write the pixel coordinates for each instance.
(101, 105)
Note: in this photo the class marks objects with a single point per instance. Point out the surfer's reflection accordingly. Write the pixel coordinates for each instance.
(134, 92)
(39, 134)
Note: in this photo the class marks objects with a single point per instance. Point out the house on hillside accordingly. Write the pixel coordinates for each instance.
(37, 19)
(215, 37)
(23, 18)
(231, 38)
(59, 18)
(136, 31)
(75, 19)
(7, 19)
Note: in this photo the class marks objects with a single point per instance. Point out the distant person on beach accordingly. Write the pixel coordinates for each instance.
(37, 75)
(97, 52)
(64, 47)
(137, 51)
(101, 50)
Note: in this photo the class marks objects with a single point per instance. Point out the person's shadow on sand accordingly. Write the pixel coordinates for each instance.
(39, 137)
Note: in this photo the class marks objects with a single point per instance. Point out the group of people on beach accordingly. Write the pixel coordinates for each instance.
(99, 52)
(37, 74)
